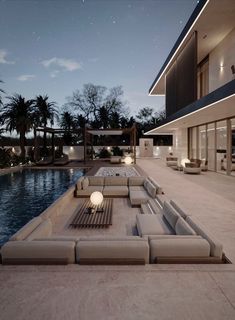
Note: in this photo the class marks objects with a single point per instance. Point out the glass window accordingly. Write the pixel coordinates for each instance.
(233, 147)
(193, 153)
(221, 146)
(202, 143)
(211, 146)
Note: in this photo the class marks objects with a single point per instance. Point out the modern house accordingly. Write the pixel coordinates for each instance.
(198, 81)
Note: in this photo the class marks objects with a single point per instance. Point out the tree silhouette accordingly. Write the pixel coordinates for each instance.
(44, 112)
(17, 115)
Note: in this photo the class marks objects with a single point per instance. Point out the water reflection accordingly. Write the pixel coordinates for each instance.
(25, 194)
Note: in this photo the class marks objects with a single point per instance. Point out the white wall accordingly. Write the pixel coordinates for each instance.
(180, 143)
(146, 147)
(77, 153)
(74, 153)
(220, 61)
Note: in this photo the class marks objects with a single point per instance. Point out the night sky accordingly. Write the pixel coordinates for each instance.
(54, 47)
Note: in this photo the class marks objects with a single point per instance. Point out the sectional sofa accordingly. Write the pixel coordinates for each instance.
(166, 234)
(176, 236)
(34, 244)
(139, 189)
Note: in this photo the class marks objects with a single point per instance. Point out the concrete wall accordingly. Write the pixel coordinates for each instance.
(76, 152)
(220, 61)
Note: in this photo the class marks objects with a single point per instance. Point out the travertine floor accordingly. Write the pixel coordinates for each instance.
(137, 292)
(124, 221)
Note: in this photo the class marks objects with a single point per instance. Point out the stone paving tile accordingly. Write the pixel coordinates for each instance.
(112, 295)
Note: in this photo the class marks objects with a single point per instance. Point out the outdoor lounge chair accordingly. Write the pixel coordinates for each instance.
(63, 160)
(44, 161)
(192, 167)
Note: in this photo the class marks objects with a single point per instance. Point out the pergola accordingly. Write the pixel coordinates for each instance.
(88, 132)
(53, 132)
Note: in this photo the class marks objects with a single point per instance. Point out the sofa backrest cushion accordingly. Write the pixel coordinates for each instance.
(110, 238)
(115, 181)
(136, 181)
(85, 183)
(183, 228)
(158, 187)
(150, 188)
(178, 209)
(170, 214)
(43, 230)
(216, 248)
(96, 181)
(26, 229)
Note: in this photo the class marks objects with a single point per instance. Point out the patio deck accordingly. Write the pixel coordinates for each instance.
(137, 292)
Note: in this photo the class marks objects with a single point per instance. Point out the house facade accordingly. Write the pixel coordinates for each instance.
(198, 81)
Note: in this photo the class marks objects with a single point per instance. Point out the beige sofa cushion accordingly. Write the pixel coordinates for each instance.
(136, 181)
(88, 191)
(115, 159)
(118, 191)
(42, 252)
(26, 229)
(173, 236)
(58, 238)
(178, 209)
(216, 248)
(179, 248)
(171, 163)
(112, 250)
(170, 214)
(96, 181)
(43, 230)
(152, 224)
(158, 187)
(183, 228)
(136, 188)
(138, 197)
(151, 189)
(115, 181)
(79, 183)
(110, 238)
(85, 183)
(192, 170)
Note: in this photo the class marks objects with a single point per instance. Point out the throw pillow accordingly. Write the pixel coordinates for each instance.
(85, 183)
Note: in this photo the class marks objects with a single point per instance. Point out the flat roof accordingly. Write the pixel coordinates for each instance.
(213, 20)
(215, 106)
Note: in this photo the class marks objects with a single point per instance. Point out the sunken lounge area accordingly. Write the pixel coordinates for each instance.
(114, 219)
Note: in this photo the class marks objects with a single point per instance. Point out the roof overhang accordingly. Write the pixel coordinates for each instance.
(212, 20)
(103, 132)
(218, 105)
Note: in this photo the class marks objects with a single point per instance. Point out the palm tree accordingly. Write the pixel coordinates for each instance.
(17, 115)
(45, 112)
(67, 122)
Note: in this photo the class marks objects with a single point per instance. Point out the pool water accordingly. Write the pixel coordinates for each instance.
(25, 194)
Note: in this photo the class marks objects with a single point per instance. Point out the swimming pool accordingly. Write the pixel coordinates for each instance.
(25, 194)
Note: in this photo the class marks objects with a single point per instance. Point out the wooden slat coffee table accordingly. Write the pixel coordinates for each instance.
(101, 218)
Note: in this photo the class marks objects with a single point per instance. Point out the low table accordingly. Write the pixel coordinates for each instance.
(100, 218)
